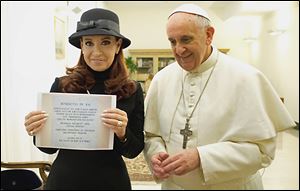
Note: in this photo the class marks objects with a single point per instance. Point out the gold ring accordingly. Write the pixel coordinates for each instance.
(120, 123)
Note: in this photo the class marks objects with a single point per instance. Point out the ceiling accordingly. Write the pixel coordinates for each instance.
(223, 9)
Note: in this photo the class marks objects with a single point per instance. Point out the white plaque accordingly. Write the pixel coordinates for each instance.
(74, 121)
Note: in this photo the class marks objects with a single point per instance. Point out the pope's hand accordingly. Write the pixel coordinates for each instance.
(156, 161)
(181, 163)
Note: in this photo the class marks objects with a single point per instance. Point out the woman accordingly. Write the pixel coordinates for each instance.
(101, 70)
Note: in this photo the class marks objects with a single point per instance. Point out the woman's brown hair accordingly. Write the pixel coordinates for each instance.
(79, 79)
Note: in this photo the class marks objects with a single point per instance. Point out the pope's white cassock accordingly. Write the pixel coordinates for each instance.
(234, 124)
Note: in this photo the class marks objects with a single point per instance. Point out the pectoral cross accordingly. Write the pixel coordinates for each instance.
(186, 132)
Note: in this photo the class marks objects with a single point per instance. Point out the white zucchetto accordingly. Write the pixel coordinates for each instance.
(191, 8)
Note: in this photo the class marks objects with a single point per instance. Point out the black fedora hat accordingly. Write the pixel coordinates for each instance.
(98, 22)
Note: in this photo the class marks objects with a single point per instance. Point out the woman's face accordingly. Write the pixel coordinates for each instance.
(99, 51)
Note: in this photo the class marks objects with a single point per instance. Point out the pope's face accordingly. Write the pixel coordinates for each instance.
(190, 43)
(99, 51)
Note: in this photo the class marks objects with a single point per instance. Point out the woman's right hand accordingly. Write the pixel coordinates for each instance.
(34, 121)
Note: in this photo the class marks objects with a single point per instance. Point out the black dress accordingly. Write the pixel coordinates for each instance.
(100, 169)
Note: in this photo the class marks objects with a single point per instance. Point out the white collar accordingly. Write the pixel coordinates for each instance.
(208, 63)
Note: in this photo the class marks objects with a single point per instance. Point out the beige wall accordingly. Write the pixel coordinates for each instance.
(279, 56)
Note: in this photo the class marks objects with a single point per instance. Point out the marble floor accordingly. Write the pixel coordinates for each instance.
(282, 174)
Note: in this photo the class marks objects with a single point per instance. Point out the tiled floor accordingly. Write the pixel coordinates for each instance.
(283, 174)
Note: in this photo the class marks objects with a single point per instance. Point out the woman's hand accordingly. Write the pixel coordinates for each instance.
(34, 121)
(115, 119)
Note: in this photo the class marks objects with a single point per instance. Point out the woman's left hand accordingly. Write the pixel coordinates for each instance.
(115, 119)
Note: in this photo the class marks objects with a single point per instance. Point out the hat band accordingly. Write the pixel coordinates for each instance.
(103, 24)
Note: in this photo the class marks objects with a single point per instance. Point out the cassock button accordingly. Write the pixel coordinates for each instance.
(192, 83)
(191, 105)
